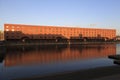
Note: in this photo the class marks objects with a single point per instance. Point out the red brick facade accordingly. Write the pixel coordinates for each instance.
(17, 31)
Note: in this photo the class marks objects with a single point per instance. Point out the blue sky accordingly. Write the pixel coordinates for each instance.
(78, 13)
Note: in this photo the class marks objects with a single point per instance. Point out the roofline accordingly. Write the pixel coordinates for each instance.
(58, 26)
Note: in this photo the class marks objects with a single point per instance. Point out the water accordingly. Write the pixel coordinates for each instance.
(23, 61)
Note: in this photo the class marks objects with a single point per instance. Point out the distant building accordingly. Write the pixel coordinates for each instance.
(117, 37)
(1, 35)
(34, 32)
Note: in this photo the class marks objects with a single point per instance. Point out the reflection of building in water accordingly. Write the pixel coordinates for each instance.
(45, 55)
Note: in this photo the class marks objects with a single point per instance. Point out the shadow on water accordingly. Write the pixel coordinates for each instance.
(36, 48)
(112, 72)
(115, 58)
(2, 56)
(2, 53)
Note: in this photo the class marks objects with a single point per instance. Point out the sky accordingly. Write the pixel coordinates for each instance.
(73, 13)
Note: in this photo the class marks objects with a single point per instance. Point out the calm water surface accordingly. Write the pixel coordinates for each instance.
(21, 62)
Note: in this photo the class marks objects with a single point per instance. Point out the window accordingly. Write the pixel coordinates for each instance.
(13, 30)
(7, 29)
(80, 35)
(98, 35)
(12, 36)
(40, 37)
(6, 36)
(6, 26)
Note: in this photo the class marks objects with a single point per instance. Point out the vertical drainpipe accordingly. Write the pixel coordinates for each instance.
(68, 41)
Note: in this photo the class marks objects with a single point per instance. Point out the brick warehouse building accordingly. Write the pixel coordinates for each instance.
(56, 33)
(1, 35)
